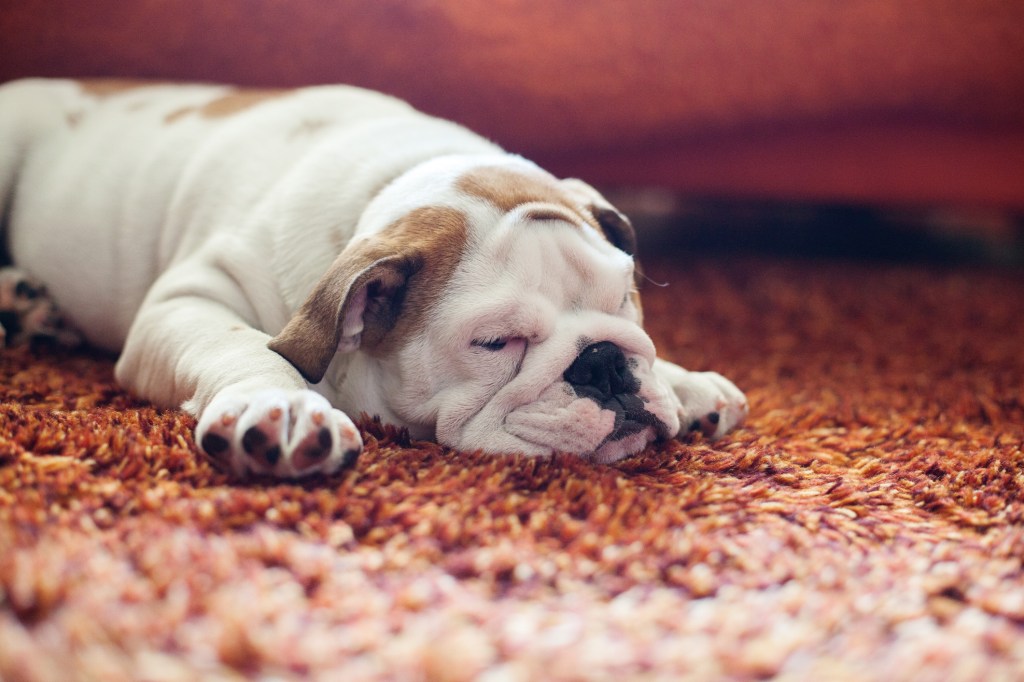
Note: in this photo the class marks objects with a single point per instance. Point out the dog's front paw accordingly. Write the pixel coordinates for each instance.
(709, 402)
(283, 433)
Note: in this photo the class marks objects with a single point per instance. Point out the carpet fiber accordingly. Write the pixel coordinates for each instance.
(865, 524)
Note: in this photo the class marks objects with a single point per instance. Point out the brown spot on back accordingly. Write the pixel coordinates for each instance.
(108, 87)
(236, 101)
(178, 113)
(225, 105)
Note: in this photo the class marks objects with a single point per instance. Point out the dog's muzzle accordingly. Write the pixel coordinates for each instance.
(602, 374)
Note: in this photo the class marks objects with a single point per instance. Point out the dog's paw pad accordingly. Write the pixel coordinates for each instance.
(315, 448)
(261, 447)
(288, 434)
(215, 444)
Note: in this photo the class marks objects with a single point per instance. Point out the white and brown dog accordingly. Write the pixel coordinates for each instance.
(274, 261)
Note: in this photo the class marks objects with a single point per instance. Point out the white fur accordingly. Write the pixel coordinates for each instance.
(186, 242)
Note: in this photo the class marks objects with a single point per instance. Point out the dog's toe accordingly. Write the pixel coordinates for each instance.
(323, 438)
(215, 432)
(261, 432)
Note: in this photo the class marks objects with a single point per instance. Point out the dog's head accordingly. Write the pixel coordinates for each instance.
(493, 307)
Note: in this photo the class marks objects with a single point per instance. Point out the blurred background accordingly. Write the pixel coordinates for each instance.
(864, 128)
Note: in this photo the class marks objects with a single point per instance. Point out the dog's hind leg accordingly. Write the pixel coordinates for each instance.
(29, 110)
(28, 314)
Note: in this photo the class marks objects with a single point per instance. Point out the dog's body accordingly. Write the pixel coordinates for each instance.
(468, 295)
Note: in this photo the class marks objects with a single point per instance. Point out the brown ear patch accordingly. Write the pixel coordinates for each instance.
(310, 339)
(438, 236)
(404, 269)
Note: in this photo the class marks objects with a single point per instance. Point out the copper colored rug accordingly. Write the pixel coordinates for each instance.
(866, 524)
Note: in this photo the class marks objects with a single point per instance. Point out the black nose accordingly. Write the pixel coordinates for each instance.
(600, 372)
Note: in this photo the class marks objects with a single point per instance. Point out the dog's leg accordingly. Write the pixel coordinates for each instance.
(194, 343)
(709, 402)
(28, 314)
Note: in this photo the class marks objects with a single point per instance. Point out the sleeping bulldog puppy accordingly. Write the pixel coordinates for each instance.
(276, 261)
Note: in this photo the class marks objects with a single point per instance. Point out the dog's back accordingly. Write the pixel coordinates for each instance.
(105, 183)
(87, 175)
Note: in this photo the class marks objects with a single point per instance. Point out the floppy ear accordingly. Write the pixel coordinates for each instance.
(616, 226)
(354, 304)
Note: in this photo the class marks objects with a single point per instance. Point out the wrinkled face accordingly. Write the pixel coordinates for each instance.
(538, 348)
(535, 344)
(519, 331)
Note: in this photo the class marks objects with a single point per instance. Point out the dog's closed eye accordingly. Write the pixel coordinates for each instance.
(493, 345)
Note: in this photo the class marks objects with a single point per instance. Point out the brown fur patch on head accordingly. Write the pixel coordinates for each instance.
(506, 189)
(403, 269)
